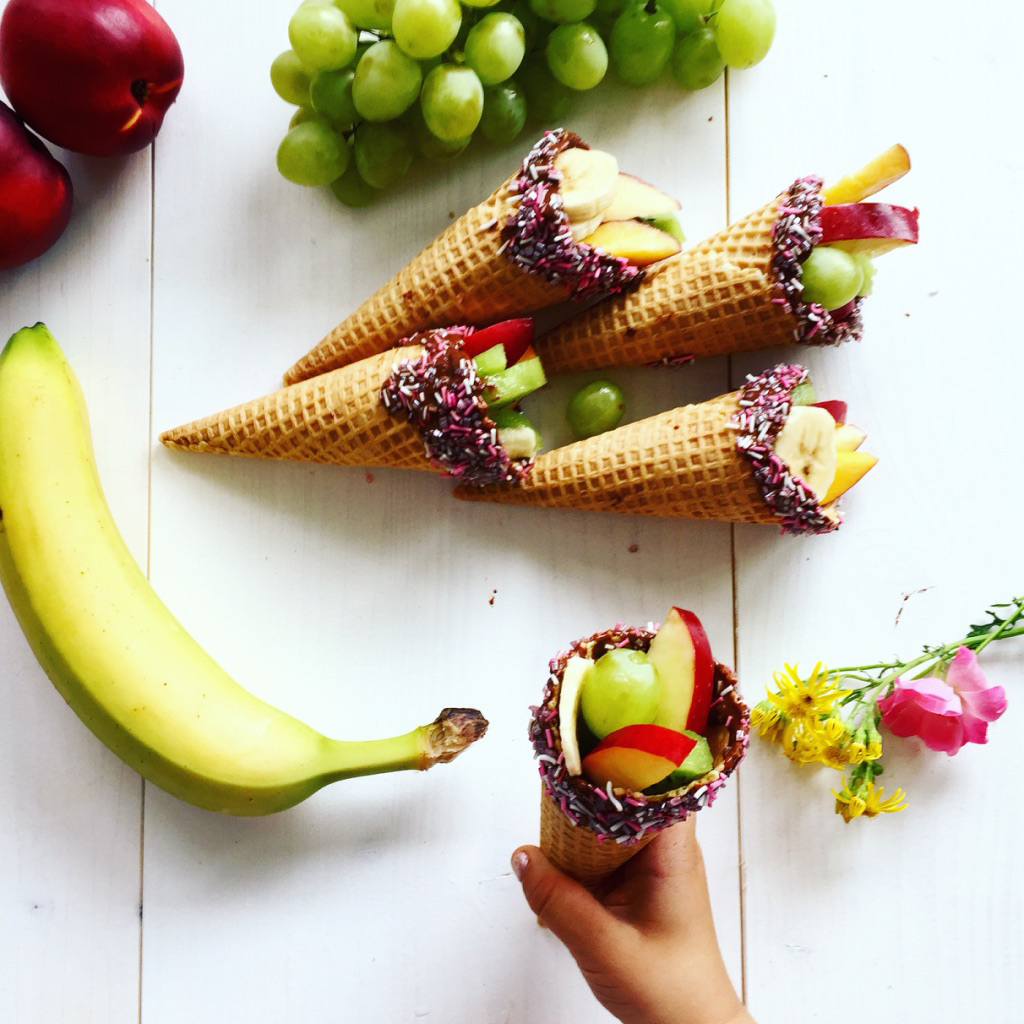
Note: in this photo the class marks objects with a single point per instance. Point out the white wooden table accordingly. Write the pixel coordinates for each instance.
(192, 276)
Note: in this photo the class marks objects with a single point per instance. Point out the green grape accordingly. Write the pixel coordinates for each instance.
(323, 37)
(428, 144)
(595, 408)
(304, 114)
(688, 15)
(744, 30)
(867, 269)
(371, 14)
(495, 47)
(641, 42)
(504, 115)
(351, 190)
(386, 82)
(452, 101)
(696, 62)
(290, 78)
(426, 28)
(331, 96)
(621, 688)
(576, 55)
(534, 28)
(547, 100)
(830, 277)
(479, 3)
(383, 152)
(604, 15)
(562, 12)
(312, 153)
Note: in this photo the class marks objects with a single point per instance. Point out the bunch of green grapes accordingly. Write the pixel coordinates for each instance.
(381, 83)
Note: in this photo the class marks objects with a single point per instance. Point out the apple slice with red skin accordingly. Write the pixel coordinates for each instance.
(515, 336)
(868, 228)
(837, 410)
(681, 655)
(93, 76)
(637, 756)
(35, 194)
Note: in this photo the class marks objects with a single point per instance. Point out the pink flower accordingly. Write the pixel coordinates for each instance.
(947, 713)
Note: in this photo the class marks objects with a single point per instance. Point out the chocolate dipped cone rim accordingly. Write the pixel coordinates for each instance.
(620, 816)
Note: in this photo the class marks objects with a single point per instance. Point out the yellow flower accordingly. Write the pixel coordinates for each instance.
(849, 805)
(874, 804)
(801, 742)
(768, 721)
(813, 697)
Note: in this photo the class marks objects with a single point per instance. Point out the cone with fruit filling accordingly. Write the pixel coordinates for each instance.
(738, 291)
(588, 831)
(712, 460)
(420, 406)
(509, 256)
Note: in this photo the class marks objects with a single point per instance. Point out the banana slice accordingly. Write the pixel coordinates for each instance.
(589, 181)
(582, 228)
(576, 669)
(807, 444)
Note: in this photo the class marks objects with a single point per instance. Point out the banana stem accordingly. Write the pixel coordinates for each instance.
(441, 741)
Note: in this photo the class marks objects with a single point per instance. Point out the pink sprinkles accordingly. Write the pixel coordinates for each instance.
(764, 403)
(622, 816)
(538, 237)
(794, 234)
(441, 395)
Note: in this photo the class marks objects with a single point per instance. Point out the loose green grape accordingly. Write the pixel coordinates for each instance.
(495, 47)
(577, 56)
(504, 115)
(351, 190)
(562, 12)
(641, 42)
(595, 408)
(312, 153)
(370, 14)
(383, 152)
(688, 15)
(290, 78)
(831, 277)
(426, 28)
(744, 30)
(696, 62)
(452, 101)
(622, 688)
(386, 82)
(323, 37)
(547, 100)
(331, 96)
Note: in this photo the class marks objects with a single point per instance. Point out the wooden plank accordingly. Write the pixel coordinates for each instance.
(364, 603)
(69, 852)
(916, 914)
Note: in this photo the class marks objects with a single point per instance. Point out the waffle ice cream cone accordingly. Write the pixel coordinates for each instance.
(731, 293)
(468, 275)
(589, 832)
(335, 418)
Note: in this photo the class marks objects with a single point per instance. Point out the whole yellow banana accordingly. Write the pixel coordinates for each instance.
(114, 651)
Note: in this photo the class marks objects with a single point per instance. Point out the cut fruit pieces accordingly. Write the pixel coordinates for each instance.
(850, 467)
(848, 437)
(633, 240)
(576, 669)
(681, 655)
(515, 335)
(806, 444)
(516, 382)
(589, 178)
(837, 410)
(870, 229)
(491, 361)
(635, 198)
(890, 166)
(637, 756)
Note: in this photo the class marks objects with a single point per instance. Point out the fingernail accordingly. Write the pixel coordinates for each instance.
(519, 862)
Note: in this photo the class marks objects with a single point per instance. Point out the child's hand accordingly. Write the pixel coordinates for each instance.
(645, 941)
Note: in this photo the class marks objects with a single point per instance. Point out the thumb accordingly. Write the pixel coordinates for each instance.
(569, 909)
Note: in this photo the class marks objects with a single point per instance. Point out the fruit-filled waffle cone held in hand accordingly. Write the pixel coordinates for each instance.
(443, 401)
(795, 271)
(763, 454)
(524, 248)
(636, 730)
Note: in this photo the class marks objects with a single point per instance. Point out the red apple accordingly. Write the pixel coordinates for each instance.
(93, 76)
(681, 655)
(35, 194)
(837, 410)
(870, 228)
(637, 756)
(515, 335)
